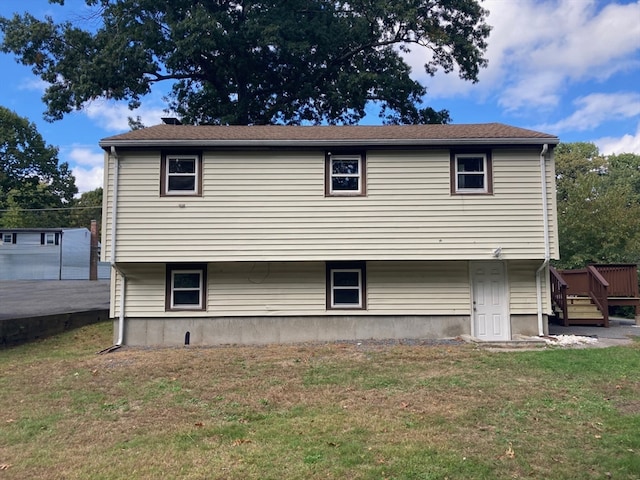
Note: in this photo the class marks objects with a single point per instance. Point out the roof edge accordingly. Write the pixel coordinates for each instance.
(105, 143)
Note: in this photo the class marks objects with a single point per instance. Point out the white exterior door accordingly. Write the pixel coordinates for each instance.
(490, 308)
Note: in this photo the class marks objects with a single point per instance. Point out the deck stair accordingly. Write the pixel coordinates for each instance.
(583, 296)
(582, 310)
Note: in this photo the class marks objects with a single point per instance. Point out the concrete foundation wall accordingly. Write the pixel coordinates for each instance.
(269, 330)
(528, 325)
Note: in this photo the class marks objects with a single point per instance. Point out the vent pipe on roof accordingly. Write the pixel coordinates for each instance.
(171, 121)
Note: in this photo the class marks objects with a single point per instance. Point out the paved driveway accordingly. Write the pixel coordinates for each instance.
(620, 331)
(35, 298)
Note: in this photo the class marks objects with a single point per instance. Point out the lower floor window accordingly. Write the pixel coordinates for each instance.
(186, 287)
(346, 285)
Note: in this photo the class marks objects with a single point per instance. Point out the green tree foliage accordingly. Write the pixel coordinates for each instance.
(33, 186)
(598, 206)
(86, 208)
(253, 62)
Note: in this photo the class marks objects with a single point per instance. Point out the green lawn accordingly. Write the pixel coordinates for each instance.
(332, 411)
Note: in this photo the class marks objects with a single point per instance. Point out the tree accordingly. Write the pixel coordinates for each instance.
(86, 208)
(33, 186)
(254, 62)
(598, 206)
(573, 160)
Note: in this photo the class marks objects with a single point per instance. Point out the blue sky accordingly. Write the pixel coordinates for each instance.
(565, 67)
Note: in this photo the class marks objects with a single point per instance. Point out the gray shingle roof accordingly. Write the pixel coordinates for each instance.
(281, 135)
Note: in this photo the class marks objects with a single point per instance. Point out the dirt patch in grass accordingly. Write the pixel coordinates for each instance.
(315, 411)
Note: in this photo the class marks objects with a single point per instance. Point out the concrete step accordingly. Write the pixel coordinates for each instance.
(518, 342)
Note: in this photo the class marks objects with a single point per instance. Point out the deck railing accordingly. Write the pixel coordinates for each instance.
(599, 292)
(559, 293)
(605, 284)
(622, 278)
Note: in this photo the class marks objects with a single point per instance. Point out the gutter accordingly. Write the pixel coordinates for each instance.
(547, 249)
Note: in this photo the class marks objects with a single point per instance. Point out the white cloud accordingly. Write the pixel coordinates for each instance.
(537, 49)
(87, 166)
(32, 83)
(113, 116)
(629, 143)
(597, 108)
(538, 90)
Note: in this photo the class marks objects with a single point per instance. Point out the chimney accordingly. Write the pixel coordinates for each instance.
(171, 121)
(93, 254)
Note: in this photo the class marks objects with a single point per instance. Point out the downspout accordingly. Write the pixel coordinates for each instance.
(114, 267)
(547, 250)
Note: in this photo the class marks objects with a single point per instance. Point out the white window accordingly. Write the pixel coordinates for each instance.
(8, 238)
(181, 175)
(345, 175)
(49, 238)
(186, 287)
(346, 285)
(471, 173)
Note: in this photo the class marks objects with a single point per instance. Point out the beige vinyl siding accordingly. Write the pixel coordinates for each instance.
(271, 206)
(107, 209)
(145, 293)
(418, 288)
(522, 281)
(299, 289)
(114, 301)
(552, 207)
(267, 288)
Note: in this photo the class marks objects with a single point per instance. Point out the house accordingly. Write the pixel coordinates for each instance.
(47, 254)
(275, 234)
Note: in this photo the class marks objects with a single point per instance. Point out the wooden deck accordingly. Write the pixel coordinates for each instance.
(583, 296)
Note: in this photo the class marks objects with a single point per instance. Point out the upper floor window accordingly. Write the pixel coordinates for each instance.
(471, 173)
(345, 174)
(181, 174)
(186, 287)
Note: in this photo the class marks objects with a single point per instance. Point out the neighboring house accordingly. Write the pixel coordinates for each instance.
(47, 254)
(269, 234)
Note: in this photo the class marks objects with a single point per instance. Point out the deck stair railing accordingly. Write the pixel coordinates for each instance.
(559, 293)
(599, 292)
(600, 285)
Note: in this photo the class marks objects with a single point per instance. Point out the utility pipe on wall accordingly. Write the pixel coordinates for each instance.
(547, 250)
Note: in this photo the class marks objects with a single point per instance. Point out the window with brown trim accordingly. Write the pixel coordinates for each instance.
(186, 287)
(345, 174)
(346, 285)
(181, 174)
(471, 173)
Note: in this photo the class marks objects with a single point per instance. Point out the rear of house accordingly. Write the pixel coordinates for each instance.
(270, 234)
